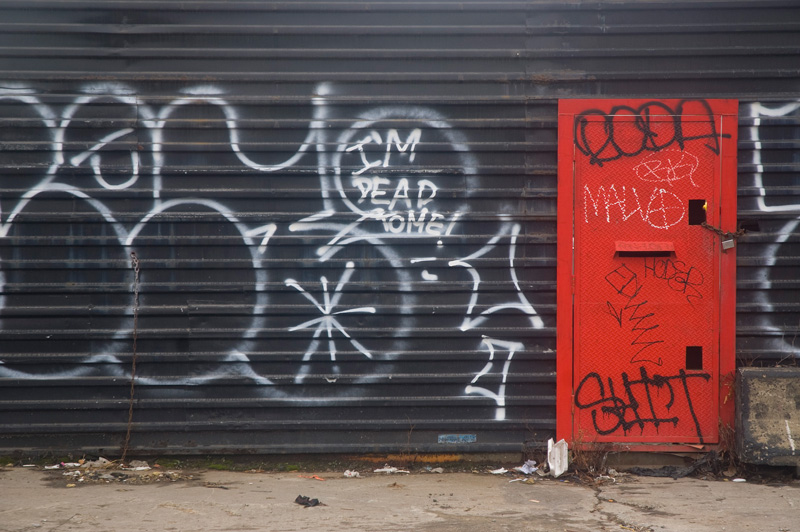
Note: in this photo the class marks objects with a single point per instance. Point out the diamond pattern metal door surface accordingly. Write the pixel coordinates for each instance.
(646, 182)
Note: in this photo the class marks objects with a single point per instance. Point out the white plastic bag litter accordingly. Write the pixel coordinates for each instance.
(390, 470)
(527, 468)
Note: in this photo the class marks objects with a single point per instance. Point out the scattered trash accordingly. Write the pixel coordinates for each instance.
(739, 480)
(138, 465)
(71, 485)
(527, 468)
(302, 500)
(710, 459)
(606, 477)
(500, 471)
(437, 470)
(63, 465)
(533, 500)
(99, 463)
(313, 477)
(557, 457)
(94, 476)
(389, 470)
(28, 465)
(352, 474)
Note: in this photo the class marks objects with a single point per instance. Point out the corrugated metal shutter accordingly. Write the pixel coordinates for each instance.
(768, 301)
(343, 213)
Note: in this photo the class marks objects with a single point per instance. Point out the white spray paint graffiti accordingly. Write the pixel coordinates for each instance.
(495, 346)
(668, 166)
(766, 204)
(757, 111)
(470, 321)
(663, 209)
(328, 322)
(375, 177)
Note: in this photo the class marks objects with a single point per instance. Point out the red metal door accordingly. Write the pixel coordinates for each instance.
(648, 285)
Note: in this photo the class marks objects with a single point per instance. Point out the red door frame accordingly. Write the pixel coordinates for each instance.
(727, 110)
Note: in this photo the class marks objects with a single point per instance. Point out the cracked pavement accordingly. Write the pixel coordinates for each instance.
(36, 500)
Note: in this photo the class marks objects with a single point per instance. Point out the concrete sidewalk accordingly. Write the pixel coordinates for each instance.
(32, 499)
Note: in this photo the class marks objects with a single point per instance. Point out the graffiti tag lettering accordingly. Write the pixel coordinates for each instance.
(663, 210)
(626, 131)
(679, 277)
(635, 404)
(668, 167)
(626, 284)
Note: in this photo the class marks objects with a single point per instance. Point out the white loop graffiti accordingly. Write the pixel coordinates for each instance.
(377, 179)
(785, 343)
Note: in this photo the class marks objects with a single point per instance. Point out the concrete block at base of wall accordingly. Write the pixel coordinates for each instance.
(768, 416)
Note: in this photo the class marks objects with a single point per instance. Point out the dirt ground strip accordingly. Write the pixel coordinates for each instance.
(210, 500)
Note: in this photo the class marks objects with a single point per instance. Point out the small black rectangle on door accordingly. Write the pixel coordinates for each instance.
(694, 357)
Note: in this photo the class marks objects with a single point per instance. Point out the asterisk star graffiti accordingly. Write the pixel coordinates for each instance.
(328, 323)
